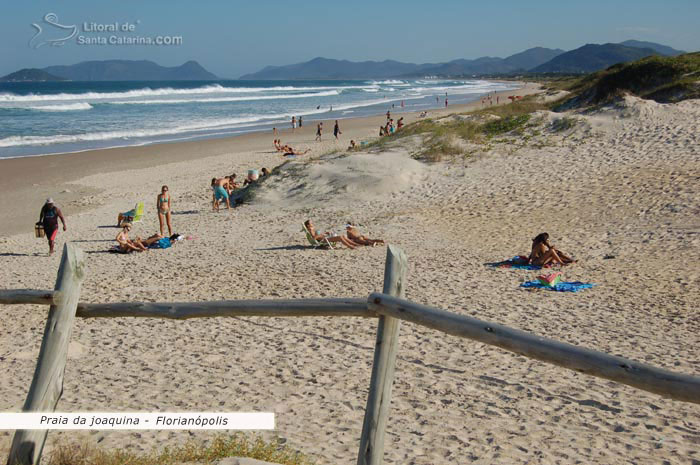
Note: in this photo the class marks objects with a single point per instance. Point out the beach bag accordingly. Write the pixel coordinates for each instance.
(550, 279)
(39, 230)
(253, 175)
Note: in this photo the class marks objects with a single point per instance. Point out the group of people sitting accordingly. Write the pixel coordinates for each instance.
(389, 128)
(287, 150)
(224, 187)
(352, 238)
(157, 241)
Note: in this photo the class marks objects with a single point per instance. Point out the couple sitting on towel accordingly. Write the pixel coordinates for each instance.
(127, 245)
(353, 239)
(543, 253)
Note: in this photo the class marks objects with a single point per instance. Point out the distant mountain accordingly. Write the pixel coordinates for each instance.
(30, 74)
(326, 68)
(127, 70)
(593, 57)
(532, 57)
(662, 49)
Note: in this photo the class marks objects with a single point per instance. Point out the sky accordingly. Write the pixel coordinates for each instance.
(230, 37)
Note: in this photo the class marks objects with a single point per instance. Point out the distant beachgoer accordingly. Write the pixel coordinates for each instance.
(388, 115)
(48, 217)
(543, 253)
(382, 131)
(445, 102)
(219, 186)
(399, 123)
(331, 108)
(274, 131)
(328, 236)
(163, 208)
(336, 130)
(300, 122)
(294, 123)
(437, 99)
(393, 105)
(319, 131)
(355, 236)
(318, 107)
(402, 105)
(127, 245)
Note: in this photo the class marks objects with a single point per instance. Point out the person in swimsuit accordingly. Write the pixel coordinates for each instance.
(327, 236)
(220, 188)
(127, 245)
(355, 236)
(319, 131)
(49, 216)
(294, 123)
(544, 254)
(163, 208)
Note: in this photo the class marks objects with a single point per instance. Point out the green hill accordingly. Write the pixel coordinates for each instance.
(30, 75)
(663, 79)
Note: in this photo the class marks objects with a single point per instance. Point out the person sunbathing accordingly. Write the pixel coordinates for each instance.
(328, 236)
(545, 254)
(355, 236)
(290, 151)
(127, 245)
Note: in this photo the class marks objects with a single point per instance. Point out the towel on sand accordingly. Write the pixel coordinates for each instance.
(519, 262)
(561, 286)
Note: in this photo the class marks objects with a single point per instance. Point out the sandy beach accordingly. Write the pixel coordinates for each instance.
(619, 190)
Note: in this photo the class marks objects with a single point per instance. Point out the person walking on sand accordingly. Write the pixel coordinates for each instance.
(49, 216)
(336, 130)
(294, 123)
(163, 208)
(445, 102)
(319, 131)
(274, 131)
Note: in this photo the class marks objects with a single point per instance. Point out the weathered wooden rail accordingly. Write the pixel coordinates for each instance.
(389, 307)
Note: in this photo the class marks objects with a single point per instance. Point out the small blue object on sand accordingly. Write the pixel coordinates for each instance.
(561, 286)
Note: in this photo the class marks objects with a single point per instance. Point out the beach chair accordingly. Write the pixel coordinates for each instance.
(133, 216)
(324, 244)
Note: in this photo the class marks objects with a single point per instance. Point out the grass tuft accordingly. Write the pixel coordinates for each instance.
(222, 446)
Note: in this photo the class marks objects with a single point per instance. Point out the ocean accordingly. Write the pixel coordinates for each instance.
(39, 118)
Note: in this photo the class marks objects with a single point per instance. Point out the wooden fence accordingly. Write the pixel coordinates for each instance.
(388, 306)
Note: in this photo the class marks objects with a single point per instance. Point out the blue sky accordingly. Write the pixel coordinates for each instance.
(234, 37)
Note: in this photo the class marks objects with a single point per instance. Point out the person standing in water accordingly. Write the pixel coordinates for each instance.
(294, 123)
(300, 121)
(163, 208)
(336, 130)
(49, 216)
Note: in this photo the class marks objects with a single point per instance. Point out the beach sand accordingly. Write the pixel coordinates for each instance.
(619, 191)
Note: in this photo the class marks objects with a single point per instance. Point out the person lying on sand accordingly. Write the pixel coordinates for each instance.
(327, 236)
(544, 254)
(290, 151)
(127, 245)
(355, 236)
(353, 145)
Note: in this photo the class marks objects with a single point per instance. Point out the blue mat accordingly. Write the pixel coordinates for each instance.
(516, 262)
(561, 286)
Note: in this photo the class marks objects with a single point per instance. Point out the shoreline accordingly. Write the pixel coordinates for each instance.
(27, 181)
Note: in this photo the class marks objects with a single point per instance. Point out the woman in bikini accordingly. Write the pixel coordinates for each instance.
(544, 254)
(355, 236)
(163, 207)
(327, 236)
(126, 245)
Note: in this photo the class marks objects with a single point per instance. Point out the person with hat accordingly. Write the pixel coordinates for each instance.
(48, 217)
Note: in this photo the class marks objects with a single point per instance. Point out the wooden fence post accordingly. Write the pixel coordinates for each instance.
(379, 397)
(47, 384)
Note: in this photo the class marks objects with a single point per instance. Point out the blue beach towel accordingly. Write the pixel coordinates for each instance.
(574, 286)
(163, 243)
(518, 262)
